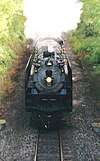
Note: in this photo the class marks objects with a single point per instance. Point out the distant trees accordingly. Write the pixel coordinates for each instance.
(11, 32)
(86, 38)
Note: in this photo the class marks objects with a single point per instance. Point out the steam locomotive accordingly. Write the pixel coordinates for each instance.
(48, 84)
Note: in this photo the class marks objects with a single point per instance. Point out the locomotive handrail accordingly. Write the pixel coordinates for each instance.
(27, 70)
(68, 61)
(28, 62)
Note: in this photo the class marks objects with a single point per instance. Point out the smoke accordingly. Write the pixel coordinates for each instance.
(50, 17)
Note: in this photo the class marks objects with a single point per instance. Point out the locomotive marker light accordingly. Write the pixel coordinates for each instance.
(49, 63)
(36, 71)
(63, 71)
(48, 73)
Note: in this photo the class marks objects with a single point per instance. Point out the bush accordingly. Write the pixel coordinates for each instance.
(95, 55)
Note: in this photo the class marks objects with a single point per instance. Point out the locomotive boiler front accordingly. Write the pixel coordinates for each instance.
(48, 77)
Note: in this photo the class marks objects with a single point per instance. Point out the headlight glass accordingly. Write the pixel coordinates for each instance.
(48, 79)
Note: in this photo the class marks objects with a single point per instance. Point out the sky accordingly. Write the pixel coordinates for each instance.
(50, 17)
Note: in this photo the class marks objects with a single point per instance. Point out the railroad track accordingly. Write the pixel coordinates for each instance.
(49, 146)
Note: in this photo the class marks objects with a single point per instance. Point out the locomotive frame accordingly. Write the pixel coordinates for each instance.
(47, 109)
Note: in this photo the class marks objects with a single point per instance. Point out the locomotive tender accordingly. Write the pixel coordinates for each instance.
(48, 84)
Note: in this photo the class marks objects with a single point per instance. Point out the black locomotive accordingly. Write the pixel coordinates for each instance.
(48, 84)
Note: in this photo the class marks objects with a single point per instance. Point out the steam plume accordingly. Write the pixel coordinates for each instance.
(50, 17)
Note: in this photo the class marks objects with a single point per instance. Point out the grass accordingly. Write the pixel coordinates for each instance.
(92, 76)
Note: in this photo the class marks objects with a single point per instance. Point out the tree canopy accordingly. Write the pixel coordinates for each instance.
(11, 33)
(86, 38)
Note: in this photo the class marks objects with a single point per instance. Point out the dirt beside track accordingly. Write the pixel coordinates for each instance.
(18, 139)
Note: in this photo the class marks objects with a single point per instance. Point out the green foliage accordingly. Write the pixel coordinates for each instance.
(86, 38)
(97, 72)
(11, 33)
(75, 43)
(95, 56)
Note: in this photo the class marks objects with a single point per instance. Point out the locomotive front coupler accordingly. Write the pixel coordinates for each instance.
(46, 125)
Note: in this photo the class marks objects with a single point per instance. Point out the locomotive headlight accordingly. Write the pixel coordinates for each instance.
(48, 79)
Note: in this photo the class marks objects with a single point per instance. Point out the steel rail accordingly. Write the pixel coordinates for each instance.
(61, 158)
(60, 147)
(37, 144)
